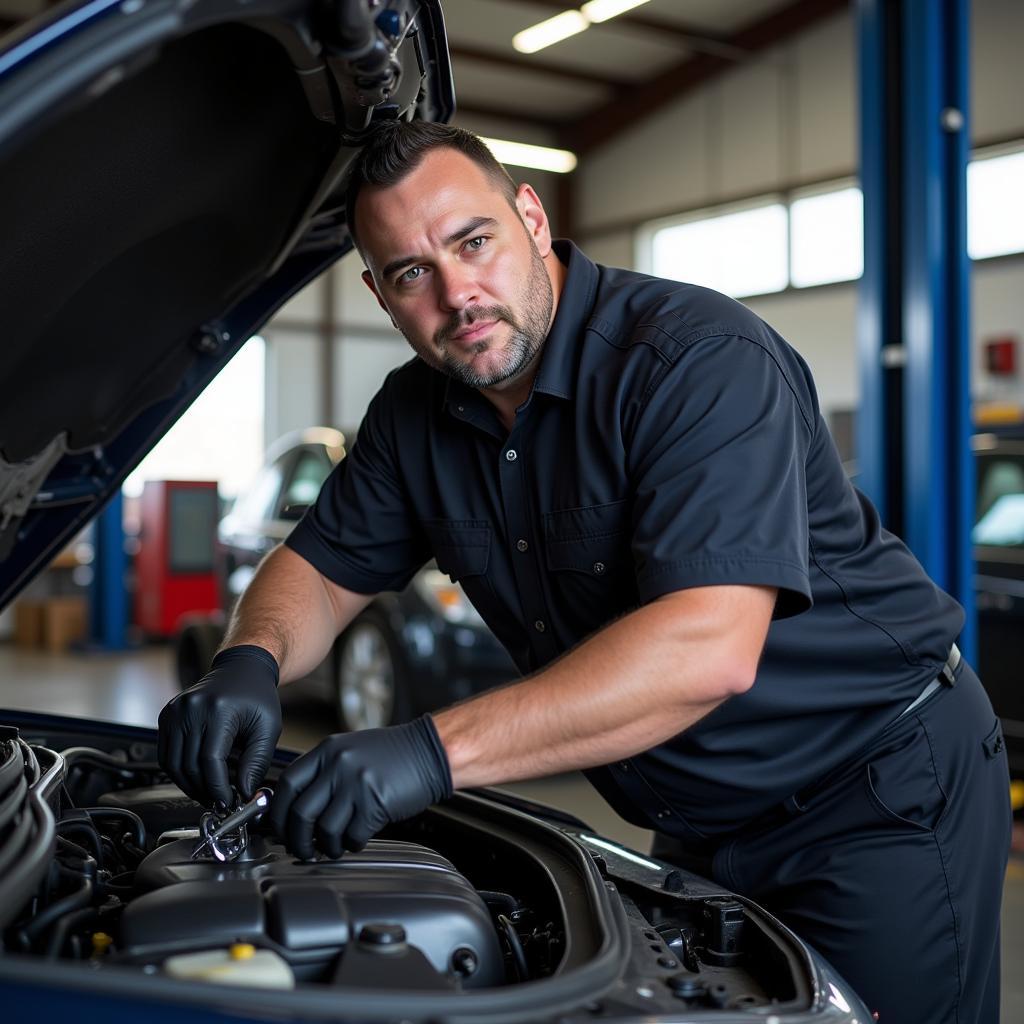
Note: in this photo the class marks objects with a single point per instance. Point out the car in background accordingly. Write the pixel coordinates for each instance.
(998, 539)
(406, 653)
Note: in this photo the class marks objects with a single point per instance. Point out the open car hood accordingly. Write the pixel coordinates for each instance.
(170, 173)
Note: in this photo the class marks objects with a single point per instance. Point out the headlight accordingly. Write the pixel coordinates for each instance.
(446, 598)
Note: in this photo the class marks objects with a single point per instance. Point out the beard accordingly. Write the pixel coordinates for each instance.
(528, 331)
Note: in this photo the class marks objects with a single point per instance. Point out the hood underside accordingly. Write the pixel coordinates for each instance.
(169, 175)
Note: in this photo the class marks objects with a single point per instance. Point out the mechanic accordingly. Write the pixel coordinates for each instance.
(632, 480)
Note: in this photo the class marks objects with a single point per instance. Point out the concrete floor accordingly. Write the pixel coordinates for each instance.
(133, 687)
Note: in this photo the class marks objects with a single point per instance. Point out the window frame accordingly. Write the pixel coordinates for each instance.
(643, 245)
(644, 233)
(981, 155)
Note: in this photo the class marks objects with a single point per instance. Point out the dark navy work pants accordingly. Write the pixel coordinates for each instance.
(893, 869)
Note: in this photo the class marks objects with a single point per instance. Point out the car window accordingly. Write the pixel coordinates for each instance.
(308, 474)
(1000, 505)
(258, 503)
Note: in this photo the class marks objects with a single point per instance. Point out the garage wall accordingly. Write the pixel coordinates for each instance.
(786, 116)
(292, 380)
(790, 118)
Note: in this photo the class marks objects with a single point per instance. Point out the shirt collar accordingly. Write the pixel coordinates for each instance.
(559, 358)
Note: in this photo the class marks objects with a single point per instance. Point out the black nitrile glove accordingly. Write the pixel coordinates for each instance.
(235, 705)
(347, 788)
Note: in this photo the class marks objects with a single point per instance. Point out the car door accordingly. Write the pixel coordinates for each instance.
(998, 538)
(307, 469)
(248, 531)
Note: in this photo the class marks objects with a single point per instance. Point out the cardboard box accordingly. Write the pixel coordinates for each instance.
(65, 622)
(28, 624)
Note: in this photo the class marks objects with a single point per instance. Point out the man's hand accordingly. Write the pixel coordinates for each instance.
(346, 789)
(234, 705)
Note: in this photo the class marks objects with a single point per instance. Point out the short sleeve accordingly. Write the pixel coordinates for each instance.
(717, 460)
(361, 533)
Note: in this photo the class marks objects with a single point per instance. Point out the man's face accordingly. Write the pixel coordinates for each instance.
(460, 271)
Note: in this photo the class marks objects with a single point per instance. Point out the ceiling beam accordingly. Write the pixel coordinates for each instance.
(497, 58)
(636, 103)
(476, 109)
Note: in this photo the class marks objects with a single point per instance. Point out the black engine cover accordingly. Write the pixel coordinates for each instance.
(311, 912)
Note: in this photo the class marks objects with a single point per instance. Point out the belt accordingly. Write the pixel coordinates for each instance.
(946, 677)
(797, 803)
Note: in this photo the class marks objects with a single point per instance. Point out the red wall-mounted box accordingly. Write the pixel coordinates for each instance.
(1001, 356)
(176, 564)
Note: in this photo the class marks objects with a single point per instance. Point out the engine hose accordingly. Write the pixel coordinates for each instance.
(502, 901)
(127, 846)
(88, 831)
(17, 838)
(126, 769)
(30, 762)
(125, 815)
(12, 766)
(59, 935)
(13, 803)
(72, 847)
(516, 946)
(81, 897)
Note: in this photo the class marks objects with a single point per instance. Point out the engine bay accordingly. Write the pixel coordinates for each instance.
(464, 908)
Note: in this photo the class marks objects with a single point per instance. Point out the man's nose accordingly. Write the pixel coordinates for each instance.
(457, 287)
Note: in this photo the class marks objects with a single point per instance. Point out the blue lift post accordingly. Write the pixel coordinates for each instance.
(878, 301)
(914, 427)
(108, 600)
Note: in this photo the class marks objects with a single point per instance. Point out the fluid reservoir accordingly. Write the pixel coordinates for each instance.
(240, 964)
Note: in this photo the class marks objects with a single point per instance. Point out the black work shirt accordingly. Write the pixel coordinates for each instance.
(671, 440)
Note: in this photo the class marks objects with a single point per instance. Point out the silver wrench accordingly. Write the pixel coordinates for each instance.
(227, 837)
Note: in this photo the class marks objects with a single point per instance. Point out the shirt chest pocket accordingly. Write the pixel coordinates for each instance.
(462, 547)
(592, 541)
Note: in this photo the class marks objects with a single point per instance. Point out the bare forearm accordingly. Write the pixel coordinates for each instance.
(635, 684)
(293, 612)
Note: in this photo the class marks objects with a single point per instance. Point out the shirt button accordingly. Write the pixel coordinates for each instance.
(510, 455)
(599, 568)
(462, 408)
(522, 545)
(624, 766)
(539, 626)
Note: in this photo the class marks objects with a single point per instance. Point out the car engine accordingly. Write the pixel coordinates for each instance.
(482, 906)
(123, 887)
(399, 912)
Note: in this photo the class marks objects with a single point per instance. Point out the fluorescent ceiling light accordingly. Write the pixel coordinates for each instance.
(569, 23)
(543, 158)
(601, 10)
(554, 30)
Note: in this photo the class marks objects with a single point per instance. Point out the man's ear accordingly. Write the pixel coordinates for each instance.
(368, 281)
(534, 216)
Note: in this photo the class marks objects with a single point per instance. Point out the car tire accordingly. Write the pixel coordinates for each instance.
(194, 647)
(371, 676)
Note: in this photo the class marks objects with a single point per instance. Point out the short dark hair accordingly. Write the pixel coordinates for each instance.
(398, 147)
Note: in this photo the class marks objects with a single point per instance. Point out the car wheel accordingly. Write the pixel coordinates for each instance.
(194, 647)
(370, 675)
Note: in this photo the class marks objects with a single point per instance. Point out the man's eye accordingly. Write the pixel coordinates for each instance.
(410, 275)
(476, 243)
